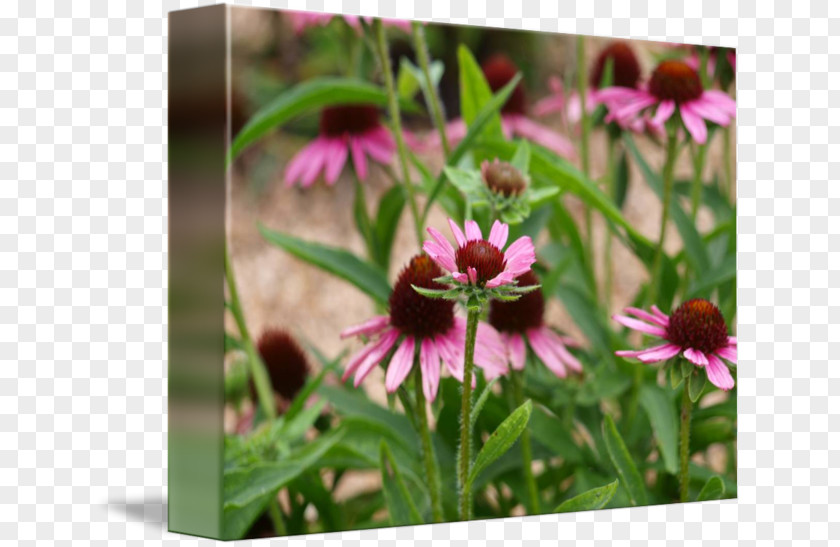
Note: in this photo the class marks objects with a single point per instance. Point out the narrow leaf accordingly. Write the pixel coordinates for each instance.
(367, 277)
(475, 92)
(590, 500)
(696, 383)
(712, 490)
(479, 403)
(401, 507)
(624, 464)
(387, 219)
(502, 439)
(663, 419)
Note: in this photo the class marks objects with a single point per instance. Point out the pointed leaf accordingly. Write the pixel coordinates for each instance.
(696, 383)
(712, 490)
(475, 92)
(591, 500)
(663, 419)
(502, 439)
(479, 403)
(387, 219)
(522, 157)
(631, 480)
(401, 507)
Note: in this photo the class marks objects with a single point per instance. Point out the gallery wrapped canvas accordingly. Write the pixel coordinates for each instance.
(426, 273)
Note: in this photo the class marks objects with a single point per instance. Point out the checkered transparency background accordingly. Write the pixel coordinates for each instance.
(83, 269)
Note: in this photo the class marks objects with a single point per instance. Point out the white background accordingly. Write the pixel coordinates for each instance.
(83, 269)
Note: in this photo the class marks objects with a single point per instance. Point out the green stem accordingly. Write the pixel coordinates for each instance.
(432, 475)
(464, 455)
(396, 123)
(276, 516)
(525, 442)
(697, 182)
(668, 181)
(727, 162)
(585, 129)
(685, 438)
(258, 372)
(704, 66)
(432, 95)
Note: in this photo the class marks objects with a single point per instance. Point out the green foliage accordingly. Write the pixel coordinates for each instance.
(502, 439)
(591, 500)
(623, 462)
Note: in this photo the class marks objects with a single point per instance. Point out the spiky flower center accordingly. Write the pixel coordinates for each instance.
(626, 70)
(503, 178)
(487, 260)
(414, 314)
(353, 119)
(285, 362)
(499, 70)
(698, 324)
(675, 81)
(519, 315)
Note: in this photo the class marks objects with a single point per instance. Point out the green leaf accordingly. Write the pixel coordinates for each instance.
(465, 181)
(712, 490)
(621, 181)
(387, 219)
(588, 319)
(686, 368)
(367, 277)
(709, 280)
(694, 247)
(309, 96)
(401, 507)
(475, 92)
(362, 220)
(549, 431)
(306, 391)
(663, 419)
(675, 373)
(295, 428)
(522, 157)
(479, 403)
(696, 383)
(623, 463)
(502, 439)
(591, 500)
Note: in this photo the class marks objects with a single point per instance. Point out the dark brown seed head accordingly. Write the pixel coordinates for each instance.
(519, 315)
(626, 69)
(487, 260)
(675, 81)
(285, 362)
(414, 314)
(353, 119)
(503, 178)
(698, 324)
(499, 70)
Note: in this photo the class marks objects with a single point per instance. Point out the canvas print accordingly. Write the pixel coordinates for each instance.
(473, 273)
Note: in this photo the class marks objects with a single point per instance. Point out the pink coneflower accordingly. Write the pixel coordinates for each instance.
(301, 20)
(522, 320)
(693, 60)
(353, 129)
(696, 329)
(625, 73)
(417, 323)
(480, 262)
(673, 86)
(499, 70)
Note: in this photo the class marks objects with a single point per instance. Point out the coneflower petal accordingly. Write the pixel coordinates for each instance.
(400, 365)
(719, 374)
(429, 368)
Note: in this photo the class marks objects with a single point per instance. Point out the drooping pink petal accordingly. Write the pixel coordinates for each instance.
(723, 101)
(400, 365)
(371, 326)
(383, 346)
(488, 337)
(299, 164)
(517, 350)
(317, 159)
(498, 235)
(501, 279)
(719, 374)
(574, 109)
(335, 160)
(520, 255)
(659, 313)
(379, 144)
(448, 348)
(357, 359)
(440, 256)
(730, 353)
(429, 368)
(559, 348)
(472, 230)
(460, 238)
(635, 324)
(359, 160)
(618, 94)
(460, 277)
(631, 108)
(663, 112)
(694, 123)
(546, 354)
(642, 314)
(696, 357)
(442, 241)
(733, 341)
(549, 104)
(542, 135)
(659, 353)
(708, 110)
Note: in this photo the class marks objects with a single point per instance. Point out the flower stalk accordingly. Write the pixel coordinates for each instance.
(668, 183)
(422, 49)
(396, 123)
(612, 170)
(465, 449)
(432, 474)
(685, 439)
(697, 182)
(585, 130)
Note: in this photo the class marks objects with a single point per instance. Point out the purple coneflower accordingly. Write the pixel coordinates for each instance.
(673, 86)
(301, 20)
(481, 262)
(417, 323)
(696, 329)
(522, 320)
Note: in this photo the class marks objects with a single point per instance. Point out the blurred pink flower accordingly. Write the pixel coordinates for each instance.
(301, 20)
(696, 329)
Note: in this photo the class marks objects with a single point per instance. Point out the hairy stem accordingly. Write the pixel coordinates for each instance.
(685, 438)
(464, 455)
(396, 123)
(432, 95)
(525, 443)
(432, 475)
